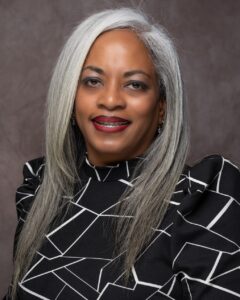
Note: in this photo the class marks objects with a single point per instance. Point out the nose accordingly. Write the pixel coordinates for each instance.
(111, 98)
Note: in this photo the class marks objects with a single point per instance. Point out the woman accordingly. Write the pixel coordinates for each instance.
(112, 212)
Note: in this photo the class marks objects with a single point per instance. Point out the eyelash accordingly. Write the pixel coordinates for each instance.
(89, 80)
(142, 85)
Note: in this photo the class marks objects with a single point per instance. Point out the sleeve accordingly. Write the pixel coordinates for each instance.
(26, 192)
(25, 195)
(206, 239)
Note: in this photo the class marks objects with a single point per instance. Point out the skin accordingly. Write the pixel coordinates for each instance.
(107, 88)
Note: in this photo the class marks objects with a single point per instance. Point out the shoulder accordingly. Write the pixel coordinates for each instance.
(213, 172)
(212, 197)
(25, 194)
(32, 178)
(34, 168)
(205, 235)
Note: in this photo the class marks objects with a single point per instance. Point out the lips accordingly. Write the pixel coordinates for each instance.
(110, 124)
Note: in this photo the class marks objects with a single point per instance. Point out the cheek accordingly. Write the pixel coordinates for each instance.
(80, 115)
(81, 101)
(146, 109)
(82, 107)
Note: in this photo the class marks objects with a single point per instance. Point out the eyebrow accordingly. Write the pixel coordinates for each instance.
(95, 69)
(126, 74)
(133, 72)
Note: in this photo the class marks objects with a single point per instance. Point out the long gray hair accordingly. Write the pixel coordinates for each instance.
(148, 200)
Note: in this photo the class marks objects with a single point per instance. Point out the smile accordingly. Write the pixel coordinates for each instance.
(110, 124)
(114, 124)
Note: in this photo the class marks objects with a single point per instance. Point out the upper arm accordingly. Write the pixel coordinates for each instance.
(206, 246)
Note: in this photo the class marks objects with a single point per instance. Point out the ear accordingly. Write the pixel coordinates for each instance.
(162, 110)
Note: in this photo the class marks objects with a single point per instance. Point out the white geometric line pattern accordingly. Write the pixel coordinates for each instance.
(194, 253)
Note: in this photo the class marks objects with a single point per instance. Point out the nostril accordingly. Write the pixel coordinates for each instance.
(111, 102)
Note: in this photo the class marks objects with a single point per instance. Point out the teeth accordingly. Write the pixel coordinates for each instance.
(110, 125)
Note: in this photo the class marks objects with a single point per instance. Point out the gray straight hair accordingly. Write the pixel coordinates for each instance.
(163, 162)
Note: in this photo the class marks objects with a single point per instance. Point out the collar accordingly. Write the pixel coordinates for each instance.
(122, 170)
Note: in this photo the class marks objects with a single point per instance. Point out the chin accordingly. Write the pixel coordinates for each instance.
(113, 152)
(111, 147)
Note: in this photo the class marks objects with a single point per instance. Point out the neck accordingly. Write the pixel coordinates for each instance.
(109, 159)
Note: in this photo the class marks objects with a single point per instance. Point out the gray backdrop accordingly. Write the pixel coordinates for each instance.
(32, 32)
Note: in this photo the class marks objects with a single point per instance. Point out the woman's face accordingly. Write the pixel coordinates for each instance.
(117, 106)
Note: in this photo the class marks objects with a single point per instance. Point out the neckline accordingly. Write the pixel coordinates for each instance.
(123, 170)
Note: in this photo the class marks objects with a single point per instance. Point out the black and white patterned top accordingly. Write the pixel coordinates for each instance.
(194, 254)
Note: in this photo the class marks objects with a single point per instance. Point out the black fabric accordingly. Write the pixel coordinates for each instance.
(194, 254)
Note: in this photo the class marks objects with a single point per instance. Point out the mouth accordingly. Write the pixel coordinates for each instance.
(110, 124)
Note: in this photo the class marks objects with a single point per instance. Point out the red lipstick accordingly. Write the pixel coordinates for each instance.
(110, 124)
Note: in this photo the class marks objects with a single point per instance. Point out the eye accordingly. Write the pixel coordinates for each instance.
(91, 82)
(137, 85)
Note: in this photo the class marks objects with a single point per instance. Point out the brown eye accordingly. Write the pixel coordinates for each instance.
(137, 85)
(91, 82)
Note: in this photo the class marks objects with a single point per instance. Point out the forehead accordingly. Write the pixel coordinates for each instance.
(119, 35)
(119, 47)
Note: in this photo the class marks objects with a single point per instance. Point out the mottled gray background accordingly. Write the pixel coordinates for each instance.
(32, 32)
